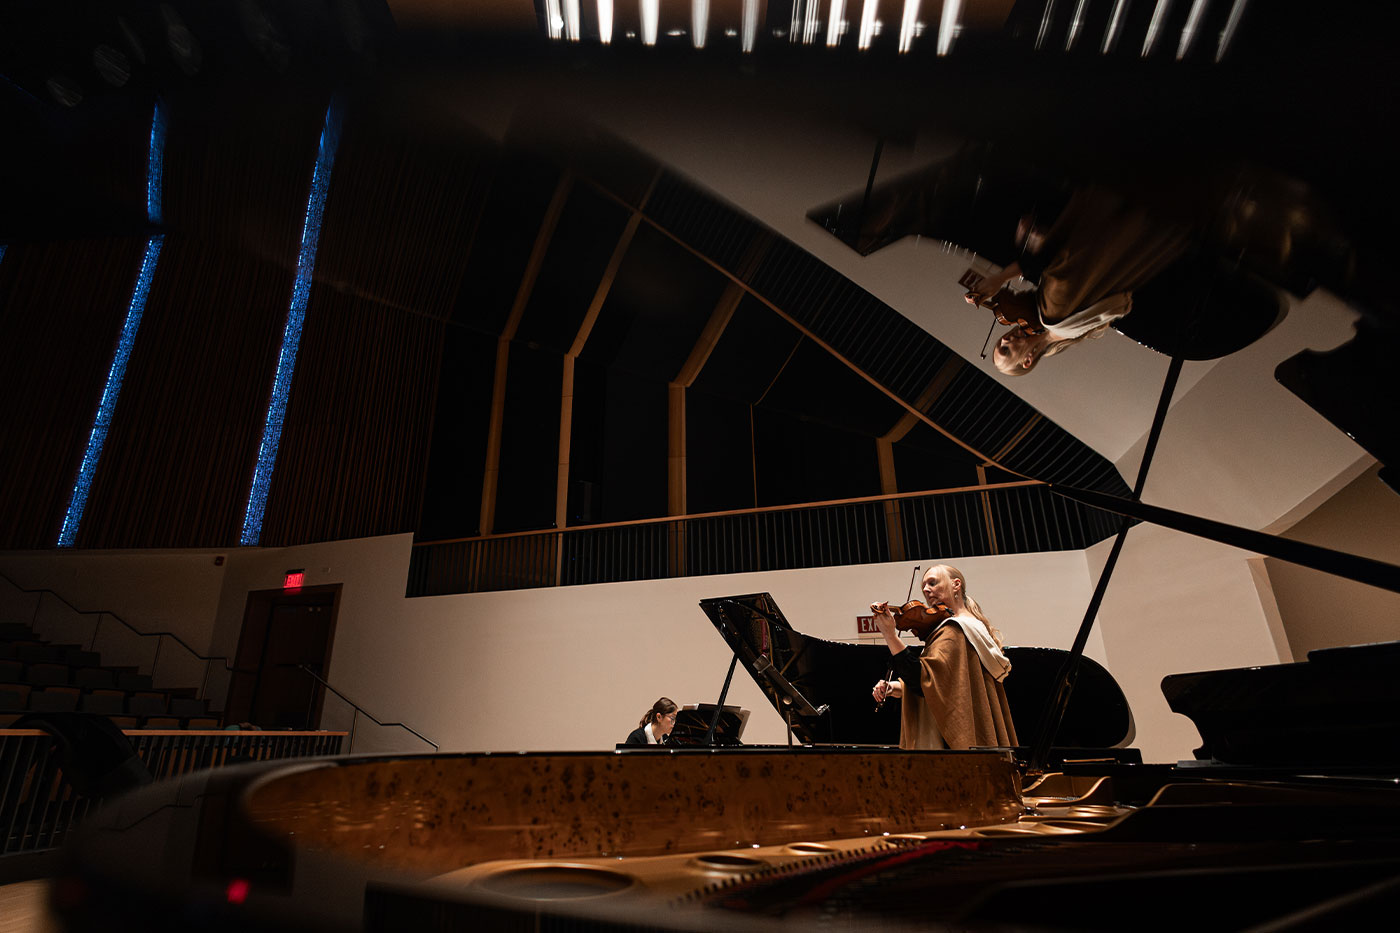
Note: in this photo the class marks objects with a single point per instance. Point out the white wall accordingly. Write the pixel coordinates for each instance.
(1175, 604)
(1320, 610)
(170, 591)
(575, 667)
(152, 591)
(618, 646)
(1240, 448)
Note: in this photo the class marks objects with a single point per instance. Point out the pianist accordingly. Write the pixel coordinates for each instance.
(952, 690)
(656, 724)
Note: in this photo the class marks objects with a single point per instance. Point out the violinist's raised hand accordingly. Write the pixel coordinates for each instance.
(981, 291)
(884, 619)
(888, 626)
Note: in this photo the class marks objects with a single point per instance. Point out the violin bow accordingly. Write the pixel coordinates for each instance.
(889, 672)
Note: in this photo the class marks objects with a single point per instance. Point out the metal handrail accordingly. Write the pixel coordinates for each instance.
(360, 709)
(986, 518)
(135, 631)
(759, 510)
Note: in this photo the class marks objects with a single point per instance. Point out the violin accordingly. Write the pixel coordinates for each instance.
(1008, 316)
(1029, 329)
(915, 617)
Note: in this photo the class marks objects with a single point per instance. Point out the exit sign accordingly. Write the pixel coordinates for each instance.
(865, 625)
(293, 579)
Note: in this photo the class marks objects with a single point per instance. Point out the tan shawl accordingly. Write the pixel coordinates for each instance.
(962, 705)
(1103, 247)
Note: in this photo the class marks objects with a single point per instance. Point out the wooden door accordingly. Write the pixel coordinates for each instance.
(285, 634)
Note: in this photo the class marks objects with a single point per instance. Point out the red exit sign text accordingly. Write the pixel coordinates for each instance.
(865, 625)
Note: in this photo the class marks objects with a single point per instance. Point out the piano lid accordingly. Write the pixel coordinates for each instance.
(824, 686)
(1336, 710)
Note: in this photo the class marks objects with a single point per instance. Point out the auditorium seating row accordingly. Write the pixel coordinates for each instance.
(39, 677)
(44, 672)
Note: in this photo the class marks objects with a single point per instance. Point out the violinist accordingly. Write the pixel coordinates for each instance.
(952, 689)
(1086, 264)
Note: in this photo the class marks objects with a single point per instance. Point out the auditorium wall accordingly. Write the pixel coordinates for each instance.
(574, 667)
(1323, 611)
(151, 590)
(567, 668)
(1178, 604)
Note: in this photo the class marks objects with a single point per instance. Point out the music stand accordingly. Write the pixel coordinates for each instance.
(693, 720)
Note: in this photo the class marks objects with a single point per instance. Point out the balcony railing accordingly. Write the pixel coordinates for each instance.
(39, 806)
(998, 518)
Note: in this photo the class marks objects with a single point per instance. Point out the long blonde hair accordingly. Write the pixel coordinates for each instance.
(1008, 366)
(971, 603)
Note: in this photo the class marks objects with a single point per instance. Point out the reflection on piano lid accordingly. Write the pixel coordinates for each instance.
(1342, 385)
(778, 839)
(840, 676)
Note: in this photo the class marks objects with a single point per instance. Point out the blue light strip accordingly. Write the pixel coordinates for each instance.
(291, 335)
(77, 501)
(155, 165)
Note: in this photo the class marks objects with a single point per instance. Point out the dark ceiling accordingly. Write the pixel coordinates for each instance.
(444, 252)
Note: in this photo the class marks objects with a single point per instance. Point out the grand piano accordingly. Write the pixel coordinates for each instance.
(1282, 822)
(821, 688)
(1288, 818)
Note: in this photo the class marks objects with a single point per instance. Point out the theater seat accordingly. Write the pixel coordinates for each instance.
(94, 677)
(146, 704)
(130, 680)
(185, 707)
(45, 673)
(54, 700)
(14, 696)
(104, 703)
(33, 652)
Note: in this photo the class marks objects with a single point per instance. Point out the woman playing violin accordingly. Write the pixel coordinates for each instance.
(953, 690)
(1086, 264)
